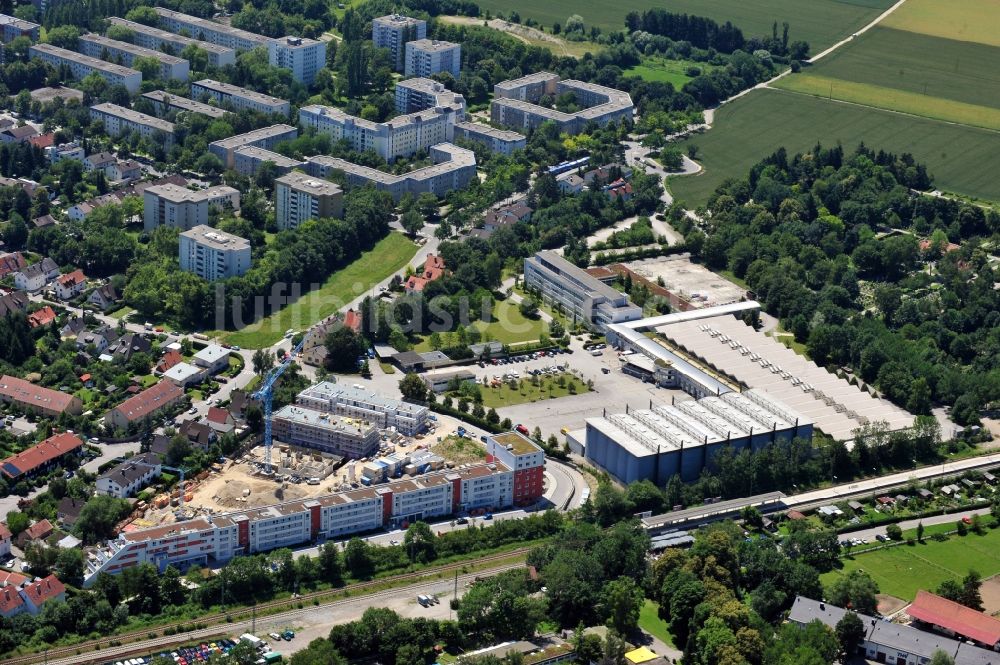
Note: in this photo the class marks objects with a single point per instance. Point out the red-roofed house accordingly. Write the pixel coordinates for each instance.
(433, 269)
(8, 578)
(11, 263)
(42, 591)
(38, 531)
(43, 141)
(169, 359)
(11, 602)
(352, 320)
(41, 456)
(71, 285)
(42, 317)
(30, 397)
(144, 405)
(949, 247)
(220, 420)
(5, 536)
(619, 189)
(955, 619)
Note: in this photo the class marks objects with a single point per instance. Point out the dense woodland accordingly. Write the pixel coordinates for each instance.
(830, 242)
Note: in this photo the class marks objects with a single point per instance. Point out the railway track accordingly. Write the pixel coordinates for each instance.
(137, 643)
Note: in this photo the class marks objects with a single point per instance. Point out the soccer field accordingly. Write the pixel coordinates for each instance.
(819, 22)
(960, 159)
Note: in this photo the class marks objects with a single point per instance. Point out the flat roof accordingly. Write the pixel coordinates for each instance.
(212, 25)
(520, 444)
(488, 130)
(20, 24)
(184, 104)
(314, 186)
(326, 390)
(432, 45)
(398, 20)
(177, 194)
(166, 36)
(563, 267)
(213, 352)
(458, 158)
(86, 60)
(216, 239)
(324, 420)
(181, 372)
(254, 135)
(236, 91)
(537, 77)
(265, 155)
(134, 116)
(140, 51)
(528, 107)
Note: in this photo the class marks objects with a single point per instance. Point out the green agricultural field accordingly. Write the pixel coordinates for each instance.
(666, 71)
(389, 255)
(819, 22)
(964, 20)
(961, 159)
(929, 67)
(902, 571)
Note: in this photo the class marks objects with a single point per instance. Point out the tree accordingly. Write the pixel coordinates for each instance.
(412, 222)
(17, 522)
(621, 602)
(343, 348)
(358, 559)
(894, 532)
(178, 450)
(413, 387)
(98, 518)
(427, 204)
(319, 652)
(920, 532)
(70, 566)
(263, 361)
(528, 308)
(850, 631)
(243, 653)
(331, 569)
(941, 658)
(855, 591)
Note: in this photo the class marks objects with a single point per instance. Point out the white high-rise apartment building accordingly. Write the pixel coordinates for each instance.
(426, 57)
(299, 197)
(212, 254)
(182, 208)
(393, 31)
(304, 57)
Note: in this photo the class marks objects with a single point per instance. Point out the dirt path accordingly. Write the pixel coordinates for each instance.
(521, 32)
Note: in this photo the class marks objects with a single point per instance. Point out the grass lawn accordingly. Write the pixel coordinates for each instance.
(650, 622)
(509, 326)
(819, 22)
(389, 255)
(961, 159)
(387, 368)
(901, 571)
(547, 388)
(148, 380)
(666, 71)
(120, 313)
(459, 450)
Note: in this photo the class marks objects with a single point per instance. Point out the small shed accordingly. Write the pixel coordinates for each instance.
(856, 506)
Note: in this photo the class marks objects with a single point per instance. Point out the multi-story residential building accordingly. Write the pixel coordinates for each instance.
(401, 136)
(527, 460)
(12, 28)
(394, 31)
(182, 208)
(247, 160)
(147, 404)
(212, 254)
(81, 65)
(161, 40)
(218, 538)
(101, 161)
(32, 278)
(209, 31)
(454, 168)
(426, 57)
(43, 455)
(585, 298)
(385, 412)
(516, 103)
(237, 98)
(303, 56)
(164, 103)
(49, 94)
(112, 50)
(299, 197)
(57, 153)
(127, 478)
(70, 285)
(29, 596)
(420, 94)
(503, 141)
(119, 120)
(212, 359)
(348, 437)
(265, 137)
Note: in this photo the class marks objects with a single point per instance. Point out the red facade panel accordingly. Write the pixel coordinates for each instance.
(456, 494)
(386, 507)
(243, 533)
(314, 516)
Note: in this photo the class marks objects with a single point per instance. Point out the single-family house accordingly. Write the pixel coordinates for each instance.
(101, 161)
(128, 345)
(42, 591)
(619, 189)
(13, 302)
(127, 478)
(104, 297)
(569, 183)
(38, 531)
(101, 339)
(74, 326)
(68, 510)
(42, 221)
(184, 374)
(199, 434)
(32, 278)
(168, 360)
(11, 262)
(5, 538)
(220, 420)
(212, 359)
(433, 269)
(41, 317)
(71, 285)
(18, 134)
(127, 170)
(507, 215)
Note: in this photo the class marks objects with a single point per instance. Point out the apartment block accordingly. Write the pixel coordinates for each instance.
(247, 160)
(385, 412)
(147, 404)
(12, 27)
(112, 50)
(522, 456)
(218, 538)
(419, 94)
(119, 120)
(265, 137)
(237, 98)
(582, 296)
(394, 31)
(127, 478)
(453, 168)
(502, 141)
(81, 65)
(165, 103)
(161, 40)
(353, 438)
(212, 254)
(182, 208)
(304, 57)
(299, 197)
(515, 103)
(426, 57)
(209, 31)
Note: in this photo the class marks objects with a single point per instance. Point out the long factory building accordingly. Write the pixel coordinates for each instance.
(219, 538)
(682, 438)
